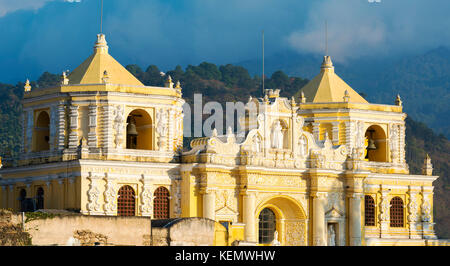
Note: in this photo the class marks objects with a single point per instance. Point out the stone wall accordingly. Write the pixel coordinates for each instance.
(90, 230)
(183, 232)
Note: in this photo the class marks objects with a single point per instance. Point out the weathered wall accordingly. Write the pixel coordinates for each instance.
(86, 230)
(192, 232)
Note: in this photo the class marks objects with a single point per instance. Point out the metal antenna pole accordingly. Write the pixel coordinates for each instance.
(101, 19)
(326, 38)
(263, 63)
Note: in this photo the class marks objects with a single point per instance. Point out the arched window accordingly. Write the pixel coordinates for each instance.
(369, 211)
(126, 203)
(396, 212)
(40, 198)
(139, 130)
(22, 201)
(267, 226)
(161, 203)
(42, 132)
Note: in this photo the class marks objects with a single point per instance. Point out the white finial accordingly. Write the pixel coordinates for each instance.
(64, 79)
(169, 83)
(346, 96)
(398, 100)
(27, 86)
(101, 45)
(302, 97)
(214, 132)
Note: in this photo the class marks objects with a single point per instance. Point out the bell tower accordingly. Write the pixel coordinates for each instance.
(373, 132)
(100, 128)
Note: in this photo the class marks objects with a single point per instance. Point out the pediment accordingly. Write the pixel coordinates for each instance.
(333, 213)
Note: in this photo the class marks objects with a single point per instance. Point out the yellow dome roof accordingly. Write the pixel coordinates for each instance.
(329, 87)
(101, 67)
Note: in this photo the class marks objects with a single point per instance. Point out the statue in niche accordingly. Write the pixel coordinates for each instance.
(257, 143)
(277, 136)
(275, 241)
(331, 235)
(303, 146)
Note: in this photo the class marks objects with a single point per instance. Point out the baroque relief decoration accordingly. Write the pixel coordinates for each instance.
(110, 194)
(93, 205)
(162, 128)
(118, 125)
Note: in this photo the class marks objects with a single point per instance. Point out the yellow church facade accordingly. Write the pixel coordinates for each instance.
(322, 168)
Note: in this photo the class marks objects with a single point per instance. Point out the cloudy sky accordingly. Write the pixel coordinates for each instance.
(56, 35)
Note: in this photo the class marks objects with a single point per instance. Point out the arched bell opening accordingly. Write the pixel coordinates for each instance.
(139, 130)
(376, 144)
(42, 132)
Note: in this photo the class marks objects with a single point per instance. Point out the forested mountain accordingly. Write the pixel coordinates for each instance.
(234, 83)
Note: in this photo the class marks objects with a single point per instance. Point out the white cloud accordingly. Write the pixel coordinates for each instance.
(7, 6)
(359, 28)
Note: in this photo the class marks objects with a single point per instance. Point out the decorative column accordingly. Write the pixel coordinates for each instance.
(355, 219)
(61, 127)
(176, 187)
(319, 236)
(4, 198)
(73, 135)
(335, 132)
(92, 135)
(11, 199)
(53, 141)
(316, 130)
(62, 194)
(48, 195)
(110, 194)
(93, 206)
(384, 213)
(427, 224)
(249, 217)
(146, 207)
(106, 127)
(209, 202)
(29, 130)
(171, 130)
(412, 212)
(402, 152)
(349, 138)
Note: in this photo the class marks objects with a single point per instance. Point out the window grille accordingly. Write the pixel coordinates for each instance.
(266, 226)
(126, 202)
(161, 203)
(396, 212)
(369, 211)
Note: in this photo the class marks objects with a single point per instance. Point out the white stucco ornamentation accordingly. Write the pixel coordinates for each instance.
(93, 193)
(118, 125)
(110, 194)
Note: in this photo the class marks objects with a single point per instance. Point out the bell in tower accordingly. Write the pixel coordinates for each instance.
(371, 146)
(131, 133)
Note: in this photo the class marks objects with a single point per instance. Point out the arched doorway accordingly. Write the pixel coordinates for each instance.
(139, 130)
(376, 144)
(126, 202)
(266, 226)
(289, 221)
(40, 198)
(42, 132)
(161, 203)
